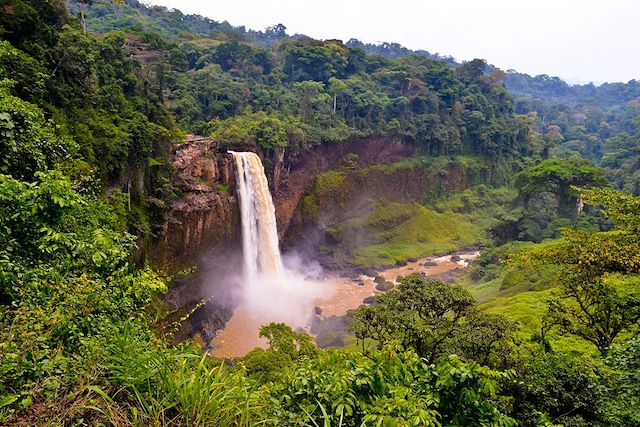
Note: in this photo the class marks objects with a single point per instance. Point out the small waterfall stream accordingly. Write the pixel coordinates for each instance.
(259, 230)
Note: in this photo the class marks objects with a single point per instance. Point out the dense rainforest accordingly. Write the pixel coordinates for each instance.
(94, 99)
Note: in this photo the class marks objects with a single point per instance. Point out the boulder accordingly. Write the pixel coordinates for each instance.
(370, 300)
(386, 286)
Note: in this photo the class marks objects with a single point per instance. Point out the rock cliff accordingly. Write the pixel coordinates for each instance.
(205, 217)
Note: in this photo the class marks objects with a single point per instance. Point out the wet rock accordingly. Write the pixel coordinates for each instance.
(401, 263)
(359, 283)
(317, 310)
(455, 258)
(379, 280)
(206, 215)
(370, 301)
(430, 264)
(399, 278)
(367, 271)
(386, 286)
(412, 259)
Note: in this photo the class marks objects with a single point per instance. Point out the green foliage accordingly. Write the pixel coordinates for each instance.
(390, 387)
(258, 129)
(597, 123)
(492, 276)
(64, 279)
(599, 296)
(28, 142)
(162, 386)
(557, 176)
(83, 104)
(433, 318)
(283, 340)
(625, 398)
(569, 391)
(335, 92)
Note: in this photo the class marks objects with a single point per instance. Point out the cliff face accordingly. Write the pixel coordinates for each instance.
(206, 214)
(301, 171)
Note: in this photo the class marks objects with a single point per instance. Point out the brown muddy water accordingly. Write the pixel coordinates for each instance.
(241, 333)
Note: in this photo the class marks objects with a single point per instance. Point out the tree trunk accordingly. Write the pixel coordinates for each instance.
(82, 18)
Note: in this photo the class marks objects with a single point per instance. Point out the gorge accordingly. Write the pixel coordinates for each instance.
(269, 291)
(401, 228)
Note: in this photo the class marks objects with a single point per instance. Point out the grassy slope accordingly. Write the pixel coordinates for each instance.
(424, 231)
(511, 281)
(392, 231)
(527, 310)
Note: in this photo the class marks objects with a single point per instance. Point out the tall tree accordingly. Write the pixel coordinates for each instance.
(600, 290)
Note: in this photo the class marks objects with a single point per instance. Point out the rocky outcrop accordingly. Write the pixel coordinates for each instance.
(302, 169)
(206, 215)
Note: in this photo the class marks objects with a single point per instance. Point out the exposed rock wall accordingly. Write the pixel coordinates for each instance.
(206, 214)
(206, 217)
(302, 170)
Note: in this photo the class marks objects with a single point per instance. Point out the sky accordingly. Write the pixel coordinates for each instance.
(581, 41)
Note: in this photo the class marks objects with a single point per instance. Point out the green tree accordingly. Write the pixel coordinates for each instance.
(625, 394)
(557, 176)
(567, 391)
(336, 87)
(389, 387)
(433, 318)
(28, 142)
(600, 292)
(283, 339)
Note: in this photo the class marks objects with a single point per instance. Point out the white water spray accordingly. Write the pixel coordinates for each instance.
(272, 290)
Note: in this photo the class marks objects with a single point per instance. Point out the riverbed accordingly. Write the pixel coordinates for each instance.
(241, 333)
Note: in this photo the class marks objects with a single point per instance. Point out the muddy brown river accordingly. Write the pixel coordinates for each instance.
(241, 333)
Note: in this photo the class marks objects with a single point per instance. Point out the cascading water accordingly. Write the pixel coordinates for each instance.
(270, 292)
(259, 230)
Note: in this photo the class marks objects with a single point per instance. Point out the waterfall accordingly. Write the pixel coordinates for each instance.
(259, 230)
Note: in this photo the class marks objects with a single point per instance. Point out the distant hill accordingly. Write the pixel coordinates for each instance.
(556, 90)
(103, 17)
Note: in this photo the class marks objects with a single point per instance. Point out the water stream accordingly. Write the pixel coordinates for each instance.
(259, 230)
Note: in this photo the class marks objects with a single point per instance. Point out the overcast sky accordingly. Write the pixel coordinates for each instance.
(579, 40)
